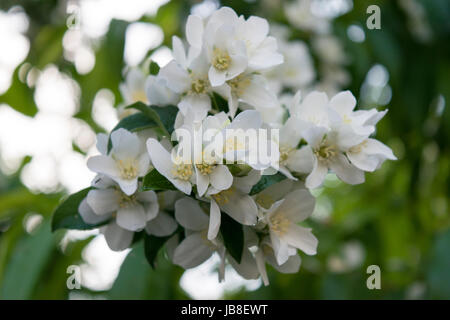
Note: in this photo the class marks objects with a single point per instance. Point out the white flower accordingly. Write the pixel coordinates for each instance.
(369, 154)
(325, 150)
(163, 224)
(195, 248)
(285, 233)
(128, 214)
(265, 253)
(190, 81)
(126, 161)
(181, 174)
(133, 89)
(249, 88)
(158, 92)
(234, 201)
(362, 122)
(296, 72)
(300, 15)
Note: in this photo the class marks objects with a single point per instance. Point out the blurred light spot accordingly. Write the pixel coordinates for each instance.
(103, 111)
(56, 92)
(205, 8)
(202, 282)
(32, 221)
(440, 105)
(40, 175)
(356, 33)
(323, 209)
(102, 264)
(141, 37)
(330, 8)
(430, 152)
(162, 56)
(13, 25)
(415, 291)
(95, 16)
(378, 76)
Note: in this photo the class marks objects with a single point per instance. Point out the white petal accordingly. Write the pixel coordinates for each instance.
(258, 95)
(292, 265)
(190, 215)
(202, 183)
(127, 186)
(261, 265)
(301, 160)
(117, 238)
(214, 220)
(131, 217)
(102, 143)
(161, 226)
(248, 119)
(247, 268)
(194, 30)
(301, 238)
(280, 248)
(317, 175)
(298, 205)
(345, 171)
(103, 201)
(125, 144)
(103, 164)
(344, 102)
(192, 251)
(221, 178)
(89, 216)
(314, 135)
(178, 51)
(177, 78)
(216, 77)
(241, 207)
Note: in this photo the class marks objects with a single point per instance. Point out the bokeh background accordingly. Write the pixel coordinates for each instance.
(61, 64)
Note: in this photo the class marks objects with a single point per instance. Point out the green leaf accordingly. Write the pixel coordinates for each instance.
(219, 103)
(27, 263)
(233, 236)
(133, 123)
(156, 181)
(66, 215)
(164, 117)
(266, 181)
(154, 68)
(152, 245)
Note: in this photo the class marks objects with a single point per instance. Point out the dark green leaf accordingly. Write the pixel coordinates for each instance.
(233, 236)
(266, 181)
(154, 68)
(156, 181)
(163, 116)
(134, 122)
(66, 215)
(219, 103)
(152, 245)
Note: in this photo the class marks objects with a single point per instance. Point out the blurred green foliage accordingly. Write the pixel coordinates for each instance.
(399, 219)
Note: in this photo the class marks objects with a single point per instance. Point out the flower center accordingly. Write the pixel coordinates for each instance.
(139, 95)
(358, 148)
(284, 153)
(199, 86)
(279, 224)
(325, 152)
(223, 197)
(125, 200)
(221, 59)
(264, 200)
(128, 169)
(239, 84)
(182, 171)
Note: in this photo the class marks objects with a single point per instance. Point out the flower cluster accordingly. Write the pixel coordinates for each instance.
(210, 196)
